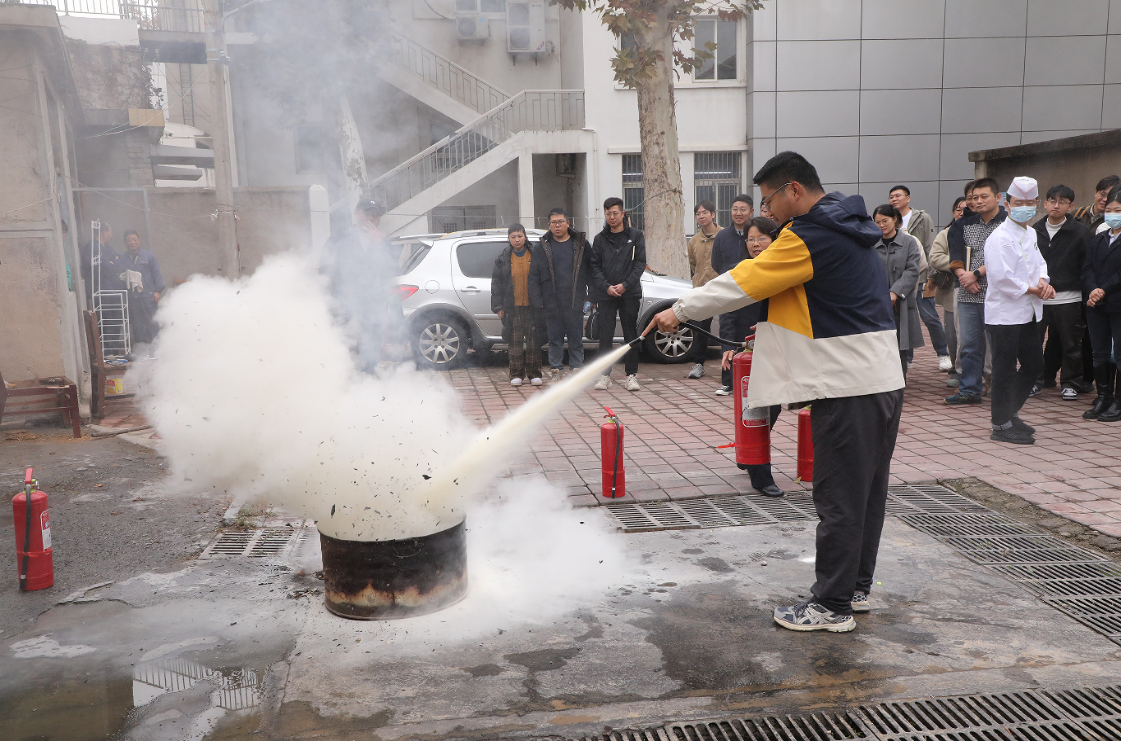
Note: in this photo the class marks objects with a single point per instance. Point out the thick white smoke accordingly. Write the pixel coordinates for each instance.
(255, 393)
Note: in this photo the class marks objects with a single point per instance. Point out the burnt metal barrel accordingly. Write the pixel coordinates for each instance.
(386, 579)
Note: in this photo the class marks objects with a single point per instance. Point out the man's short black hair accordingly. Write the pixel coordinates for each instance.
(903, 188)
(744, 198)
(558, 211)
(788, 167)
(1060, 191)
(370, 207)
(706, 205)
(969, 188)
(130, 231)
(989, 183)
(616, 201)
(1109, 182)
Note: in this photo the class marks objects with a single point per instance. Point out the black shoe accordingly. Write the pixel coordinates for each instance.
(1022, 426)
(1012, 435)
(771, 491)
(1050, 384)
(960, 398)
(1100, 405)
(1112, 413)
(1083, 387)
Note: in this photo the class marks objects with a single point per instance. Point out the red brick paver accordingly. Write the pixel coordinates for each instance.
(674, 425)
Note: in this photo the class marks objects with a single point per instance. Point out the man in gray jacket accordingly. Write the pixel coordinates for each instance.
(919, 225)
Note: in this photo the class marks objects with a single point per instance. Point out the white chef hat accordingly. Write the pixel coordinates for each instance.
(1024, 188)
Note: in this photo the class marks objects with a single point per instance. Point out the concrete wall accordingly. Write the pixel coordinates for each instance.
(1077, 162)
(878, 92)
(270, 221)
(40, 333)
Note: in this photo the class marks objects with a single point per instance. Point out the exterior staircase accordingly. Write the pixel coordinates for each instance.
(440, 83)
(531, 122)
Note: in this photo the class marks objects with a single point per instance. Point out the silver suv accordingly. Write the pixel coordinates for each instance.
(445, 292)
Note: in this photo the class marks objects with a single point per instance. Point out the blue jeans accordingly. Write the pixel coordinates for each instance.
(568, 322)
(971, 347)
(929, 315)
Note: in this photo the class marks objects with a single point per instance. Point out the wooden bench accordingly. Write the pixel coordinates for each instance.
(26, 396)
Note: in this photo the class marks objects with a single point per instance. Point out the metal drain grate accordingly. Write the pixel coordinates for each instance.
(1076, 581)
(1091, 714)
(692, 514)
(265, 543)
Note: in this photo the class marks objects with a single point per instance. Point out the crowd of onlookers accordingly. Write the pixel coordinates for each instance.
(1029, 301)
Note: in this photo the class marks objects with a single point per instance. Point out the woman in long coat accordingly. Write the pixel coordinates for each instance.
(901, 255)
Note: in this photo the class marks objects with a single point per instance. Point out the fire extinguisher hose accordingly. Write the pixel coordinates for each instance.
(28, 482)
(711, 336)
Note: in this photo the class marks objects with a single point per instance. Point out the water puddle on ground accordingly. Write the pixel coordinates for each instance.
(166, 699)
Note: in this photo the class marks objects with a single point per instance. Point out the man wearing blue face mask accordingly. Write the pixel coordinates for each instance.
(1017, 286)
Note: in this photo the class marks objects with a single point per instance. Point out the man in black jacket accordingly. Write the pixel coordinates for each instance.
(728, 250)
(562, 279)
(1062, 242)
(618, 261)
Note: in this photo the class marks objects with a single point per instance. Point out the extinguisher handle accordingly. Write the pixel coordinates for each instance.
(27, 478)
(609, 414)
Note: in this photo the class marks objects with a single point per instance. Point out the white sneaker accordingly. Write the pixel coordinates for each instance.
(554, 375)
(698, 371)
(603, 383)
(515, 382)
(724, 391)
(944, 363)
(535, 381)
(1070, 394)
(632, 383)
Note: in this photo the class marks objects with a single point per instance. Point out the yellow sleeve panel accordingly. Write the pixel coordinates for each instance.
(784, 264)
(790, 310)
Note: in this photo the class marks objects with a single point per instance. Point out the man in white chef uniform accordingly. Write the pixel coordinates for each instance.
(1018, 284)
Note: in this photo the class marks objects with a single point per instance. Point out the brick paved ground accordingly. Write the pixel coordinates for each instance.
(674, 426)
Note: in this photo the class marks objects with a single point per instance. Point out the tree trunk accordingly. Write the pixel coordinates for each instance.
(356, 183)
(664, 208)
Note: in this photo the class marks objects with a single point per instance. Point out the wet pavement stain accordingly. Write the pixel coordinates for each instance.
(483, 670)
(719, 565)
(715, 639)
(545, 660)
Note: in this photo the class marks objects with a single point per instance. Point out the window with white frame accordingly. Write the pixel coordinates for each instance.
(722, 34)
(717, 178)
(496, 7)
(633, 191)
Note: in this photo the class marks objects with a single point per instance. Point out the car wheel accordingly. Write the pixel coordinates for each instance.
(670, 347)
(441, 343)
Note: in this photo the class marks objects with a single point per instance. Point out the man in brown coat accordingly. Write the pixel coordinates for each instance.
(700, 266)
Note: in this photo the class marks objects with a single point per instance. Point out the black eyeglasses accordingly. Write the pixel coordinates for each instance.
(766, 201)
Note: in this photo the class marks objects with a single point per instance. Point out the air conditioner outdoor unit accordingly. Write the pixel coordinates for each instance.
(525, 26)
(471, 27)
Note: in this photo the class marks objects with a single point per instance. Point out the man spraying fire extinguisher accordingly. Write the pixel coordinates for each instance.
(829, 339)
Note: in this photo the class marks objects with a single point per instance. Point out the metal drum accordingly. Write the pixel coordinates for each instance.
(386, 579)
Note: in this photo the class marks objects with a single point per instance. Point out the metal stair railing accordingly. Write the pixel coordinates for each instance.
(153, 15)
(529, 110)
(444, 75)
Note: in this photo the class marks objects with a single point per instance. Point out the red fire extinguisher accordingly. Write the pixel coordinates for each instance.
(34, 561)
(753, 426)
(611, 452)
(805, 446)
